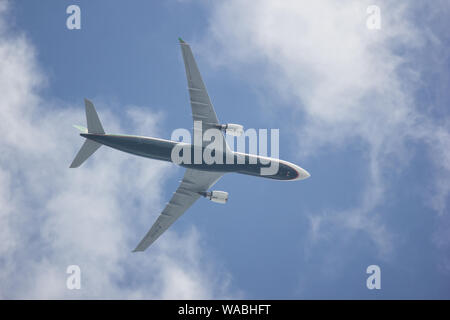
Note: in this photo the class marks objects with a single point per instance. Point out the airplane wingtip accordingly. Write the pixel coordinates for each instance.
(181, 40)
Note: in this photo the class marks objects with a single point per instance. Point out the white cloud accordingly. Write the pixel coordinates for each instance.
(351, 84)
(52, 216)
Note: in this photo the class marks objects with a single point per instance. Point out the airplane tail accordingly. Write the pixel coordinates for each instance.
(93, 126)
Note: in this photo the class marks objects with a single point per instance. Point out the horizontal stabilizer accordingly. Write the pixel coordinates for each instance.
(93, 122)
(94, 126)
(87, 149)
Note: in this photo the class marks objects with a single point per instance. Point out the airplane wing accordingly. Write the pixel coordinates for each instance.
(194, 181)
(202, 108)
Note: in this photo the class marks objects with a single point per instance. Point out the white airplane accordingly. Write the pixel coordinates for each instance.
(201, 175)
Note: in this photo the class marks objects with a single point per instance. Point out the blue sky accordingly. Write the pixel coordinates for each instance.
(365, 112)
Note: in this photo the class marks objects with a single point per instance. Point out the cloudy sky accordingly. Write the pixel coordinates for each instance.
(364, 111)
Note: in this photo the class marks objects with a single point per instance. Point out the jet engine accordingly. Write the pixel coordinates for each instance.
(216, 196)
(232, 129)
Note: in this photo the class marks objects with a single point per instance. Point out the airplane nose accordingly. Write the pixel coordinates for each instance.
(303, 174)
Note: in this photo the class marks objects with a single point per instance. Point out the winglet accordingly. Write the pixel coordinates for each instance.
(181, 40)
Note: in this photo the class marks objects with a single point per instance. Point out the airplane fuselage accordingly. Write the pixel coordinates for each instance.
(161, 149)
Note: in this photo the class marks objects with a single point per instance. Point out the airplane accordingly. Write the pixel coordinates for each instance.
(199, 176)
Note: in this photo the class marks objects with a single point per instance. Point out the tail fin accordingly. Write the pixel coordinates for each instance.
(94, 126)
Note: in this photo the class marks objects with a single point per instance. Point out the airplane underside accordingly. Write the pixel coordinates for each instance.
(160, 149)
(201, 173)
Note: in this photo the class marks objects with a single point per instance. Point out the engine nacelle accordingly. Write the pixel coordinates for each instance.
(233, 129)
(216, 196)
